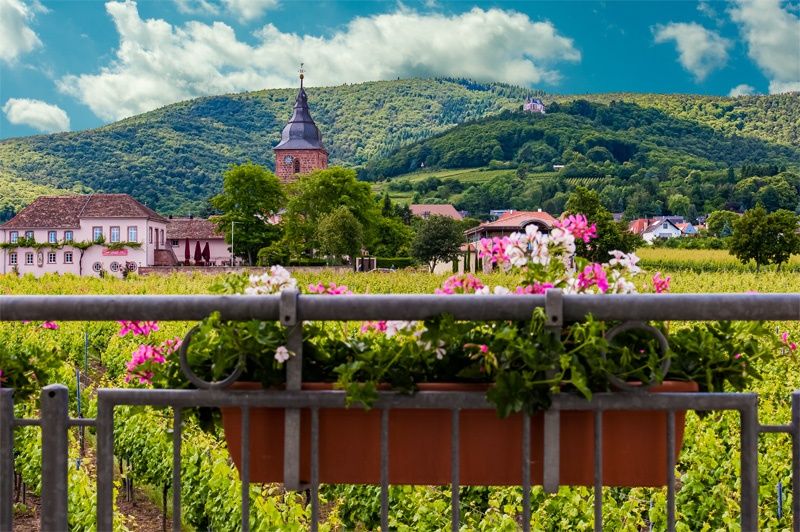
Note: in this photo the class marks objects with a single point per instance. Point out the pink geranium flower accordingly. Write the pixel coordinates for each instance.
(593, 275)
(661, 284)
(50, 325)
(578, 225)
(137, 328)
(331, 289)
(460, 284)
(494, 249)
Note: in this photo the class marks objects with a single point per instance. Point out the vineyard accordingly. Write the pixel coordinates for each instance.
(95, 354)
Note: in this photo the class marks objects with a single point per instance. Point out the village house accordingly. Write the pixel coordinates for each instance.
(196, 241)
(424, 210)
(509, 222)
(117, 233)
(662, 227)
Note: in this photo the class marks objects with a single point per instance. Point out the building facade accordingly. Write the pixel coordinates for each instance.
(300, 150)
(84, 235)
(189, 238)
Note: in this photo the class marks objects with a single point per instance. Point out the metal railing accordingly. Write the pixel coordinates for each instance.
(292, 309)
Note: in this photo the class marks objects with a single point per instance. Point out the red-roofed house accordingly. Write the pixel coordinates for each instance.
(511, 222)
(508, 222)
(424, 210)
(184, 235)
(131, 235)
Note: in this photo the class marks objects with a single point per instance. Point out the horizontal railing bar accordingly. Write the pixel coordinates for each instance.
(776, 428)
(422, 400)
(402, 307)
(81, 422)
(24, 422)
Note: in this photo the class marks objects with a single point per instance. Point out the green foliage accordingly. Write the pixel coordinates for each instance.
(340, 233)
(611, 235)
(320, 193)
(765, 238)
(438, 239)
(251, 194)
(718, 220)
(394, 238)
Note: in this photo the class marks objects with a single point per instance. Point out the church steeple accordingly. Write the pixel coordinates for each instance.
(300, 149)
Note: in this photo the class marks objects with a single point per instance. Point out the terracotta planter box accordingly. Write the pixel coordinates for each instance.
(634, 445)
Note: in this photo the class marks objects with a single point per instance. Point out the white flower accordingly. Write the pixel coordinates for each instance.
(540, 249)
(484, 291)
(501, 290)
(517, 256)
(282, 354)
(395, 326)
(628, 261)
(619, 284)
(273, 282)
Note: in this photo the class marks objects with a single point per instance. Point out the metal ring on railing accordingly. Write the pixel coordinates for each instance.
(663, 345)
(192, 376)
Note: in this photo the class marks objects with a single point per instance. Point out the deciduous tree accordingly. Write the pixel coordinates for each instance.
(438, 239)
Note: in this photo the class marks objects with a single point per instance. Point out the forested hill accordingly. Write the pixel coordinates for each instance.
(173, 158)
(621, 139)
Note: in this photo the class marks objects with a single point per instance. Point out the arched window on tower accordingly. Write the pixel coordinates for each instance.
(296, 165)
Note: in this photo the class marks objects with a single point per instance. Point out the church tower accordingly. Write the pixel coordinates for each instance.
(300, 150)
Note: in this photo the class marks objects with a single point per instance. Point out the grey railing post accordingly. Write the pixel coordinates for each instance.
(795, 461)
(54, 401)
(6, 458)
(294, 380)
(105, 462)
(749, 465)
(551, 468)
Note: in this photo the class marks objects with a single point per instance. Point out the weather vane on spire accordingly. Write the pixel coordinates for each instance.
(302, 71)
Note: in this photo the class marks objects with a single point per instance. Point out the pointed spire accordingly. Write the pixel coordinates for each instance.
(302, 72)
(301, 132)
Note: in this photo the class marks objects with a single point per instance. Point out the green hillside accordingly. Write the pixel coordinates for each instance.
(642, 160)
(15, 193)
(173, 158)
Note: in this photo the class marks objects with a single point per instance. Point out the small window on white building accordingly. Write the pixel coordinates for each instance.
(14, 237)
(97, 233)
(52, 237)
(175, 243)
(68, 236)
(162, 237)
(97, 267)
(114, 234)
(29, 235)
(114, 267)
(67, 257)
(51, 257)
(12, 258)
(133, 233)
(29, 259)
(665, 225)
(150, 237)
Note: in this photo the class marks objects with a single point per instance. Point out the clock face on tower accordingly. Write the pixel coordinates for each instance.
(288, 159)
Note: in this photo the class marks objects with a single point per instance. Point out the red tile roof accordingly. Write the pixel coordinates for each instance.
(193, 229)
(514, 221)
(423, 210)
(57, 212)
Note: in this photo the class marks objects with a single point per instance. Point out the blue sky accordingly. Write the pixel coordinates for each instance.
(71, 65)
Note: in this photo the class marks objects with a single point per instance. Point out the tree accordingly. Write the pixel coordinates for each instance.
(717, 221)
(394, 238)
(315, 195)
(765, 238)
(250, 195)
(610, 234)
(438, 239)
(340, 233)
(680, 205)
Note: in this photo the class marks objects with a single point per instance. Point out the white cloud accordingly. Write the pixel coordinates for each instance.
(772, 34)
(157, 63)
(249, 9)
(197, 7)
(16, 36)
(706, 9)
(700, 51)
(742, 90)
(37, 114)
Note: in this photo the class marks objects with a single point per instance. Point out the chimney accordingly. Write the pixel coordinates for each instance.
(170, 217)
(191, 216)
(538, 210)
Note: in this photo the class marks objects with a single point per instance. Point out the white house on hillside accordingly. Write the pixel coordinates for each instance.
(47, 236)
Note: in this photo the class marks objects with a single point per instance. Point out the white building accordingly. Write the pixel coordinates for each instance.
(117, 233)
